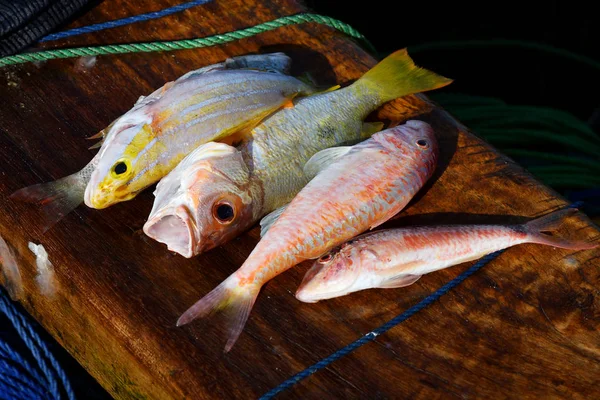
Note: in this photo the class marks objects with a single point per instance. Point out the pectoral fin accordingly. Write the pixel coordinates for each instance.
(369, 128)
(323, 159)
(268, 220)
(399, 281)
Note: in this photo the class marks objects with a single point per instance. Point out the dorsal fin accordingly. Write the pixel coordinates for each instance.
(323, 159)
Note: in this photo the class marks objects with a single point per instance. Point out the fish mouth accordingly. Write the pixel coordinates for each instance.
(301, 295)
(312, 289)
(306, 297)
(174, 228)
(103, 198)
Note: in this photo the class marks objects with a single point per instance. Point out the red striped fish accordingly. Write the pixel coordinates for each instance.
(356, 188)
(395, 258)
(217, 193)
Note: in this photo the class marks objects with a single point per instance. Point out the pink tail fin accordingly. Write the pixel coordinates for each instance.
(234, 301)
(56, 199)
(550, 222)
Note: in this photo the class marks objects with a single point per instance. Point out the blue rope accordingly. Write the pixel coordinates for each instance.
(30, 385)
(369, 337)
(124, 21)
(7, 392)
(18, 370)
(17, 378)
(8, 353)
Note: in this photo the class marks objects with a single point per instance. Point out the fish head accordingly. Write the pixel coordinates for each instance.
(414, 140)
(128, 161)
(204, 202)
(334, 274)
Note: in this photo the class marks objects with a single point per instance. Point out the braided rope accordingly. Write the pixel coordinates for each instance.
(185, 43)
(47, 363)
(369, 337)
(124, 21)
(468, 44)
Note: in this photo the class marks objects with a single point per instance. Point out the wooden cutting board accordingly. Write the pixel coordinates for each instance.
(527, 325)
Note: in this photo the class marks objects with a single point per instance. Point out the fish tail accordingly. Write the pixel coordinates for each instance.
(536, 230)
(10, 271)
(234, 301)
(57, 198)
(397, 75)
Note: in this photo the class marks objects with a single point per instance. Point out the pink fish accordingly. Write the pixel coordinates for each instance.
(395, 258)
(219, 191)
(355, 189)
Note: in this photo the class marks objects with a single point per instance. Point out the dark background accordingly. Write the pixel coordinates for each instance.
(514, 74)
(519, 76)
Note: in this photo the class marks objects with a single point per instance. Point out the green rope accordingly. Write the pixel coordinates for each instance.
(552, 119)
(556, 158)
(185, 43)
(568, 181)
(510, 122)
(520, 135)
(485, 114)
(467, 44)
(457, 100)
(549, 169)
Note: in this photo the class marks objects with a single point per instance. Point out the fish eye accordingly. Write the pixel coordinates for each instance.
(120, 168)
(326, 258)
(422, 143)
(223, 212)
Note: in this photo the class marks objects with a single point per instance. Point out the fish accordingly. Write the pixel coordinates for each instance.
(394, 258)
(179, 196)
(145, 143)
(215, 203)
(9, 271)
(57, 198)
(340, 202)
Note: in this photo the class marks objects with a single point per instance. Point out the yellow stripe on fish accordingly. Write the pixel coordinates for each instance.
(149, 140)
(275, 155)
(199, 109)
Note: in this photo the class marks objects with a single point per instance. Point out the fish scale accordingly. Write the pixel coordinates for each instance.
(340, 202)
(165, 144)
(446, 242)
(273, 158)
(398, 257)
(147, 142)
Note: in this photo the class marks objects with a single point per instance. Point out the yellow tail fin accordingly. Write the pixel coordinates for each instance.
(397, 75)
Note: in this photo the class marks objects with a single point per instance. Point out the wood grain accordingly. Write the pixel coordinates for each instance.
(526, 326)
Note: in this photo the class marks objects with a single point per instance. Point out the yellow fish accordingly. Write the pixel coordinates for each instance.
(356, 188)
(220, 191)
(149, 140)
